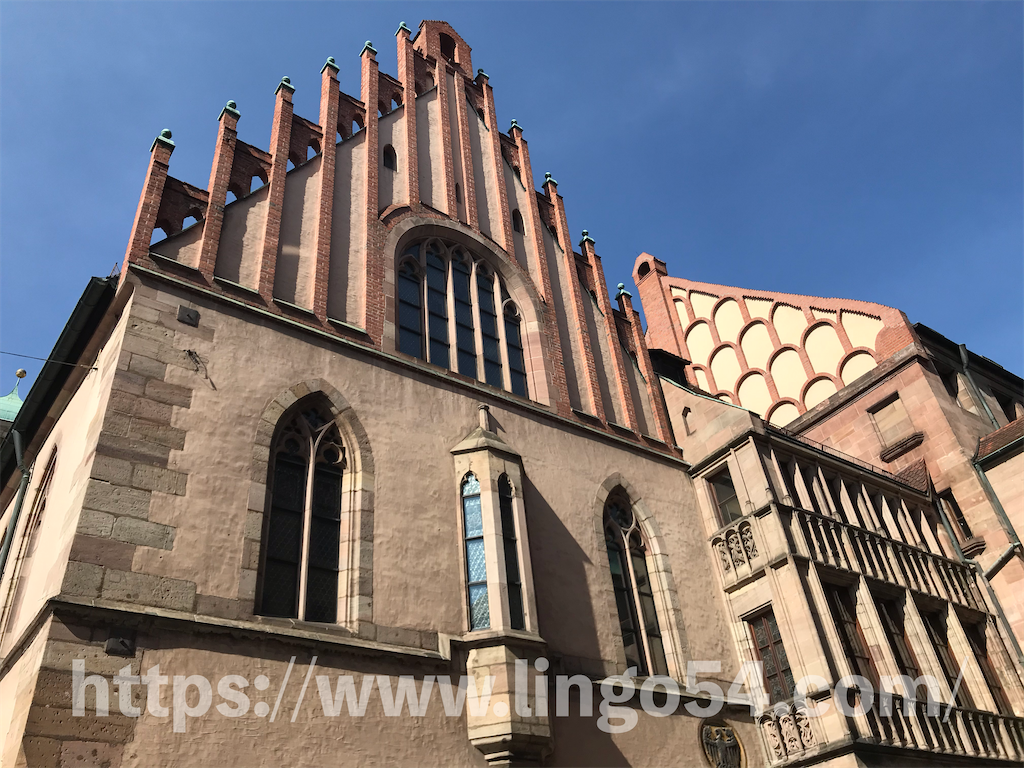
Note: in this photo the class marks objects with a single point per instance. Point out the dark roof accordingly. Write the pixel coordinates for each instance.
(1001, 438)
(84, 320)
(916, 476)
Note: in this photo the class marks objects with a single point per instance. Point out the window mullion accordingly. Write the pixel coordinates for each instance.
(478, 339)
(453, 325)
(638, 617)
(307, 515)
(506, 368)
(424, 295)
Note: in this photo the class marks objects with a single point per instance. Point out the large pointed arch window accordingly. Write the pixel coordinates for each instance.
(302, 533)
(449, 298)
(634, 593)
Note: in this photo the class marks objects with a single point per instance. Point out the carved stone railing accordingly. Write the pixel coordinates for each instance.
(789, 733)
(749, 544)
(946, 730)
(835, 543)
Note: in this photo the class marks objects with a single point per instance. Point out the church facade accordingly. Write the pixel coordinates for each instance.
(370, 426)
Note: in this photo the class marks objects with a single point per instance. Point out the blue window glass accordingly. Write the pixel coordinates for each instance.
(476, 562)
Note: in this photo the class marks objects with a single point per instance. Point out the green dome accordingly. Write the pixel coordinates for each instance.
(10, 404)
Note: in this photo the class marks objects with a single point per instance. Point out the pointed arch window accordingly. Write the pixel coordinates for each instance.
(476, 560)
(302, 533)
(634, 594)
(448, 298)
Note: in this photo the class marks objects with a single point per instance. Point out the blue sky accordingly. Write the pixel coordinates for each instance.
(868, 150)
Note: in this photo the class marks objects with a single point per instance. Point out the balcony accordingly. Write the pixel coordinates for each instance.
(905, 725)
(746, 546)
(846, 547)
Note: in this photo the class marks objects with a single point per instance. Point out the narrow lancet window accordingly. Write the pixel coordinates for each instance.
(514, 341)
(511, 551)
(634, 595)
(437, 307)
(489, 329)
(476, 561)
(410, 311)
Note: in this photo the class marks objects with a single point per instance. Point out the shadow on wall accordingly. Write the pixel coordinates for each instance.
(579, 741)
(564, 602)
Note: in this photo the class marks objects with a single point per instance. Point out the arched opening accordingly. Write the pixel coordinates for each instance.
(231, 197)
(256, 183)
(158, 235)
(643, 269)
(458, 193)
(631, 582)
(189, 221)
(302, 533)
(448, 48)
(313, 149)
(517, 221)
(390, 157)
(291, 164)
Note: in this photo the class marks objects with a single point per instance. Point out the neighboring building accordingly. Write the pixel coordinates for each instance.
(862, 379)
(379, 411)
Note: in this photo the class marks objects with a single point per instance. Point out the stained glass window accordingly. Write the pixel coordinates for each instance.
(476, 561)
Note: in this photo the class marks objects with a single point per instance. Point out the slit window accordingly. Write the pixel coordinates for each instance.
(511, 552)
(390, 158)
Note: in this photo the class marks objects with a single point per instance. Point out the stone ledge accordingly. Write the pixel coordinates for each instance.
(892, 452)
(284, 629)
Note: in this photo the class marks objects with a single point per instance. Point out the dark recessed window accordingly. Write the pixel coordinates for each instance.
(390, 158)
(726, 501)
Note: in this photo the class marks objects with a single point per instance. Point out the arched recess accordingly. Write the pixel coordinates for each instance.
(823, 347)
(856, 365)
(818, 390)
(355, 585)
(783, 413)
(666, 597)
(516, 280)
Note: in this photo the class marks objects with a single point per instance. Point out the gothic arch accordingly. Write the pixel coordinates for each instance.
(665, 594)
(516, 279)
(355, 582)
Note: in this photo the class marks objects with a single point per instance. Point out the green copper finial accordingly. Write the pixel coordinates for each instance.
(401, 27)
(623, 292)
(10, 404)
(368, 46)
(481, 73)
(547, 178)
(232, 109)
(330, 63)
(164, 138)
(286, 82)
(515, 125)
(586, 238)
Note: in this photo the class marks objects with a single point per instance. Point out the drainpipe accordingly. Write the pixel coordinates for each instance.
(22, 487)
(1002, 560)
(990, 492)
(974, 387)
(994, 599)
